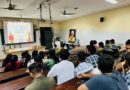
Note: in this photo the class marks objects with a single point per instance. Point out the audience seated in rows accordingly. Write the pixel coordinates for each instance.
(110, 80)
(64, 70)
(13, 64)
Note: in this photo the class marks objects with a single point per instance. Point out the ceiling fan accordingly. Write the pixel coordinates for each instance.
(66, 13)
(11, 7)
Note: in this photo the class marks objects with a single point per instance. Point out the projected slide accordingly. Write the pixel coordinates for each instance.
(18, 32)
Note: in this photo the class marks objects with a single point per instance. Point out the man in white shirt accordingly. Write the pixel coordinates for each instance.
(64, 71)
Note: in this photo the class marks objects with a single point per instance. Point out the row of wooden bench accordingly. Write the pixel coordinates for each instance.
(17, 80)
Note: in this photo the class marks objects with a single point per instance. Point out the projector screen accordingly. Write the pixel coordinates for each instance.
(18, 32)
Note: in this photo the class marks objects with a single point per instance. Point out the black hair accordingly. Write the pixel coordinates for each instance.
(101, 44)
(64, 54)
(13, 61)
(41, 54)
(38, 59)
(107, 42)
(23, 54)
(15, 57)
(34, 53)
(7, 59)
(81, 56)
(91, 49)
(27, 59)
(105, 63)
(112, 41)
(51, 53)
(91, 43)
(128, 42)
(87, 46)
(35, 68)
(94, 42)
(28, 56)
(26, 52)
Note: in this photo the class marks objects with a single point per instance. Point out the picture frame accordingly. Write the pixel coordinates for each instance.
(72, 36)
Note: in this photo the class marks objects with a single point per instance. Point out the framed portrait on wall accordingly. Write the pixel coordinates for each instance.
(72, 35)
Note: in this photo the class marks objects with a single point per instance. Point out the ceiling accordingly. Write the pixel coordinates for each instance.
(30, 10)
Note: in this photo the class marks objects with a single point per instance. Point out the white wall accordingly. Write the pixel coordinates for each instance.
(85, 36)
(116, 25)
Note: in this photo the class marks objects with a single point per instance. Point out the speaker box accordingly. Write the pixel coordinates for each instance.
(102, 19)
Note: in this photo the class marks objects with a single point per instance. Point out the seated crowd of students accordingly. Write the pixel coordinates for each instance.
(96, 68)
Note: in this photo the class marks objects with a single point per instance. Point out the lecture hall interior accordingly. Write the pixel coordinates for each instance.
(64, 44)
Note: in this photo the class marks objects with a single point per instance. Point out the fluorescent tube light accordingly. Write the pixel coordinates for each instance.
(112, 1)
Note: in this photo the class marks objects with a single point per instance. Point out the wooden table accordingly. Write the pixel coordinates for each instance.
(70, 85)
(16, 84)
(22, 82)
(11, 74)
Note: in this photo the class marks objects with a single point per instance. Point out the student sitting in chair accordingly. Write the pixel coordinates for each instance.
(110, 80)
(39, 82)
(64, 70)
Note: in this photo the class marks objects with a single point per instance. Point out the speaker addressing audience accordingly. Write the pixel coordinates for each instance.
(110, 80)
(39, 81)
